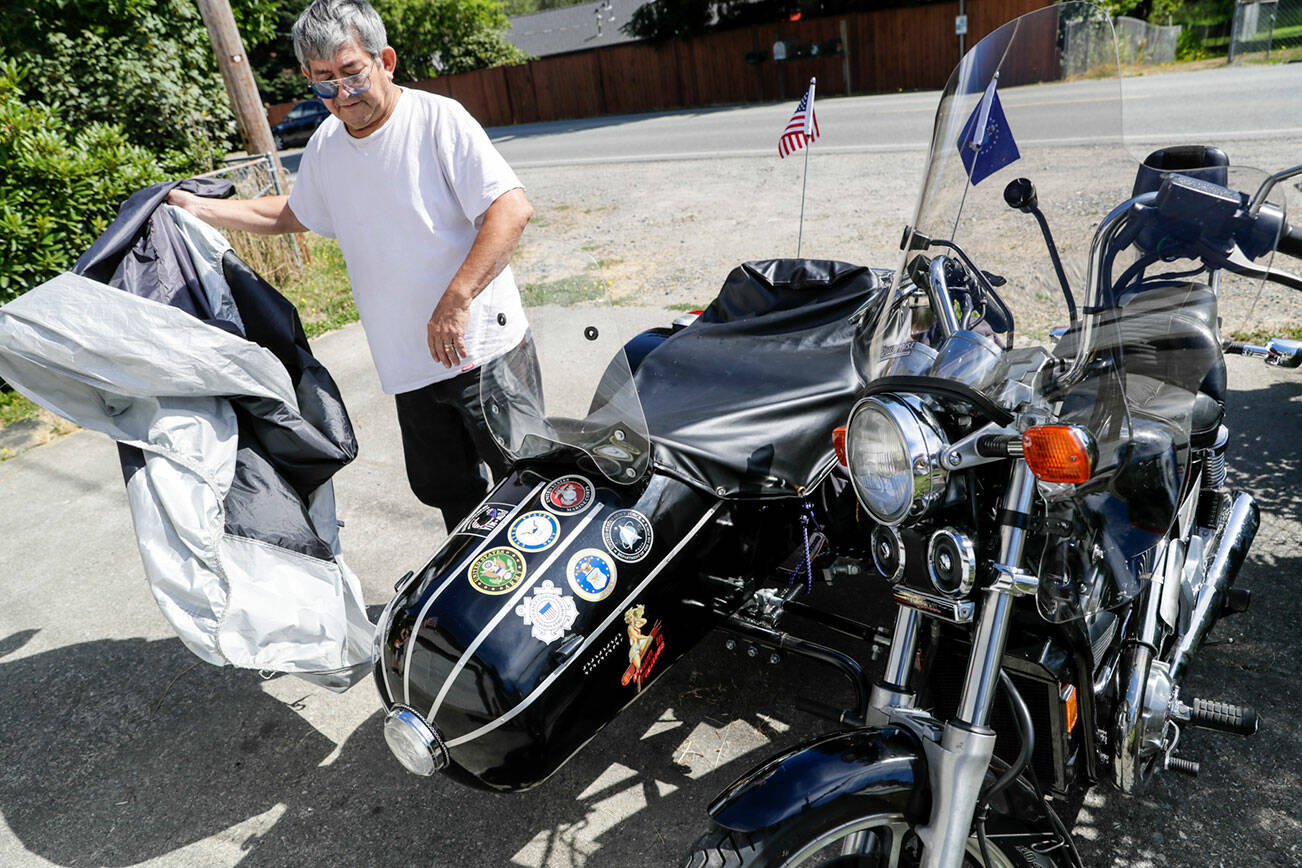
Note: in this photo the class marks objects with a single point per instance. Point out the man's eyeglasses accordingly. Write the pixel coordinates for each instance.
(350, 84)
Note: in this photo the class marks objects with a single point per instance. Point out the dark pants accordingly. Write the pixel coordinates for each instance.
(445, 443)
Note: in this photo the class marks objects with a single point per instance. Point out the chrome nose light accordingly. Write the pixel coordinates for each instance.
(414, 742)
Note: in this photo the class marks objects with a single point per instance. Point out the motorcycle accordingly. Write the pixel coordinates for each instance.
(1052, 516)
(1051, 521)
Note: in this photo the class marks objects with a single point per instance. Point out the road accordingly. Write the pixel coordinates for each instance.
(1233, 103)
(118, 748)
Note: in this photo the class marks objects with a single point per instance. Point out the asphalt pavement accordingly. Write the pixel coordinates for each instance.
(117, 747)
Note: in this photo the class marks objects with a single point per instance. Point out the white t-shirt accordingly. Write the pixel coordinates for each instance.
(405, 204)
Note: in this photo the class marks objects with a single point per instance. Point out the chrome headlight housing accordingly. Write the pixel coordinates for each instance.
(894, 446)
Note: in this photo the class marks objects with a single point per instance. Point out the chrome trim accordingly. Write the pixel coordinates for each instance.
(922, 442)
(957, 611)
(963, 454)
(1014, 582)
(402, 721)
(884, 536)
(904, 642)
(971, 359)
(965, 555)
(562, 547)
(942, 303)
(616, 612)
(451, 577)
(956, 767)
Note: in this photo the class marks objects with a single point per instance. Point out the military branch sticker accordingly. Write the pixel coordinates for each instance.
(534, 531)
(548, 612)
(627, 534)
(486, 518)
(591, 573)
(643, 648)
(497, 571)
(568, 495)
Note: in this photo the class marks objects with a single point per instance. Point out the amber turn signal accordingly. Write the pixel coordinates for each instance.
(838, 443)
(1059, 453)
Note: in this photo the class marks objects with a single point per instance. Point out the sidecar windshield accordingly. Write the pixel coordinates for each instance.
(1031, 120)
(567, 390)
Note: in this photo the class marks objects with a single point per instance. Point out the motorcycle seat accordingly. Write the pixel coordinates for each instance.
(743, 401)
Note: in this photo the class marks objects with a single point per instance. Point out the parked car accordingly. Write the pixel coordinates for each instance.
(297, 126)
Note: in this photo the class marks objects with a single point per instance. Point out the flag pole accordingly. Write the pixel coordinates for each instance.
(809, 115)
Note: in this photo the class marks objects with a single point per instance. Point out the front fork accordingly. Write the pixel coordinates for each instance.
(959, 754)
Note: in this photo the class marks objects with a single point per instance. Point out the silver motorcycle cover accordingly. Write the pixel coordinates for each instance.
(250, 577)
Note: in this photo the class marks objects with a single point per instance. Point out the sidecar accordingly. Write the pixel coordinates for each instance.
(586, 573)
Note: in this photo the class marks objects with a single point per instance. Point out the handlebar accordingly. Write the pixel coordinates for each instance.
(1290, 242)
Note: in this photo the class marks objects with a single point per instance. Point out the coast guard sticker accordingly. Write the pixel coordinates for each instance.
(548, 612)
(628, 535)
(591, 573)
(534, 531)
(568, 495)
(497, 571)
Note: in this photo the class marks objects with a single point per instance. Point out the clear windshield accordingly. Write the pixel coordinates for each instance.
(1029, 134)
(567, 390)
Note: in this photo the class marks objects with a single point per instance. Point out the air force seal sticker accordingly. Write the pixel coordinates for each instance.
(591, 574)
(534, 531)
(548, 612)
(628, 535)
(497, 571)
(568, 495)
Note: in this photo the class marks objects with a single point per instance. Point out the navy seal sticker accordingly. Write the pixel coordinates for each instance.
(497, 571)
(568, 495)
(534, 531)
(628, 535)
(548, 612)
(591, 573)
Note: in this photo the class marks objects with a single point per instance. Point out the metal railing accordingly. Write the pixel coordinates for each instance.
(269, 255)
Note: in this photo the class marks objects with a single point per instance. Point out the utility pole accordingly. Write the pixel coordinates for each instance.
(243, 91)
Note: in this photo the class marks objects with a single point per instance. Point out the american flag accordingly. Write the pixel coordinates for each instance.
(803, 126)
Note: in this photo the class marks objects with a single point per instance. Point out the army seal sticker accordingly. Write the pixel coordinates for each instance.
(497, 571)
(568, 495)
(591, 573)
(549, 613)
(534, 531)
(627, 534)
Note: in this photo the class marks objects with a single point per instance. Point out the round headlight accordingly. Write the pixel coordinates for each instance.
(893, 445)
(414, 742)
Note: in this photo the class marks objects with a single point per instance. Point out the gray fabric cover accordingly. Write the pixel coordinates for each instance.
(227, 458)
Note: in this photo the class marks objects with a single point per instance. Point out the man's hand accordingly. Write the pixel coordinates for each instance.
(446, 331)
(183, 199)
(498, 233)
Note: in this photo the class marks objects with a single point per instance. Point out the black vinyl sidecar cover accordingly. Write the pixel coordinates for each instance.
(743, 402)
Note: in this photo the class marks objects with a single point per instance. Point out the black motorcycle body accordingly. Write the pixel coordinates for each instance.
(514, 677)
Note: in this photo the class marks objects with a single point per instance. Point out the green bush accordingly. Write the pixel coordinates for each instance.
(60, 184)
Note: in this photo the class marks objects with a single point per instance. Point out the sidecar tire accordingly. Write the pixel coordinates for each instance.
(773, 847)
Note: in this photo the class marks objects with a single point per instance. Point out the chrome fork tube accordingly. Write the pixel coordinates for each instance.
(893, 690)
(957, 764)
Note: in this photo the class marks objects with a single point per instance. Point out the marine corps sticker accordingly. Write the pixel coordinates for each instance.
(534, 531)
(568, 495)
(627, 534)
(548, 612)
(497, 571)
(592, 574)
(487, 518)
(643, 648)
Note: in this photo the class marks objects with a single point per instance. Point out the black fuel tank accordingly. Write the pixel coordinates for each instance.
(548, 610)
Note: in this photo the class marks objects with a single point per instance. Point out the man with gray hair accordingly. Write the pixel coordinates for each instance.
(427, 214)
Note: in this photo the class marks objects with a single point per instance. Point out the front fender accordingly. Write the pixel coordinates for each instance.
(884, 763)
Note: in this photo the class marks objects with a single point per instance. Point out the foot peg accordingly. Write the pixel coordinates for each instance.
(1236, 600)
(1220, 716)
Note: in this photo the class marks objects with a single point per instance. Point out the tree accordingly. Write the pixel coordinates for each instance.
(444, 37)
(60, 183)
(145, 65)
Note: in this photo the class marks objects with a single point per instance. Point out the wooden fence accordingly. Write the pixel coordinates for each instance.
(912, 48)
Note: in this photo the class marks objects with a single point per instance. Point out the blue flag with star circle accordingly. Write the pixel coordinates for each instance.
(983, 155)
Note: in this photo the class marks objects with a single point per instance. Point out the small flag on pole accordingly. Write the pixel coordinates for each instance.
(986, 143)
(803, 126)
